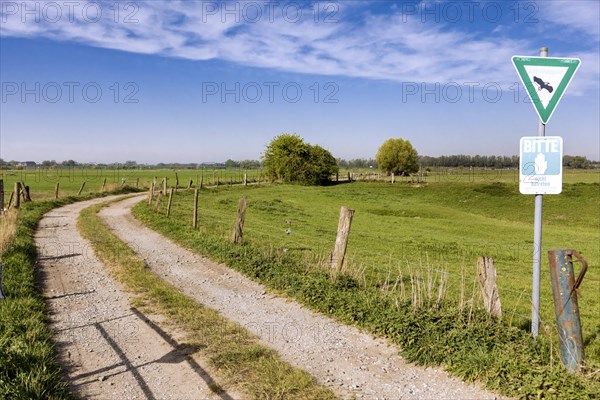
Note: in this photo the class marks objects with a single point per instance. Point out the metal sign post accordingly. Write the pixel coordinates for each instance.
(546, 80)
(537, 242)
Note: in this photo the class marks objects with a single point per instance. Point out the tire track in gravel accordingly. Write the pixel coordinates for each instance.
(341, 357)
(107, 349)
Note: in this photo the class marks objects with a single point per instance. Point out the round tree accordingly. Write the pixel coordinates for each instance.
(397, 156)
(289, 158)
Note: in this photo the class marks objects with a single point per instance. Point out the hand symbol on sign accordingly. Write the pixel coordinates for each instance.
(541, 164)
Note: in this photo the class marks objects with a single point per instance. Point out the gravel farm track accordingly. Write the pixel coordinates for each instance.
(110, 350)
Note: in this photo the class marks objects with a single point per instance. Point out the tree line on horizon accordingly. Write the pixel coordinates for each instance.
(449, 161)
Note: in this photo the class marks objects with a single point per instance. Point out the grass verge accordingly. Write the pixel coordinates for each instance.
(468, 343)
(248, 366)
(28, 368)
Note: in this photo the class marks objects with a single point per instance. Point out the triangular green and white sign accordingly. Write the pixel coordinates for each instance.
(546, 79)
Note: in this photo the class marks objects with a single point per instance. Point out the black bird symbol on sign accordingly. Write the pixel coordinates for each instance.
(543, 85)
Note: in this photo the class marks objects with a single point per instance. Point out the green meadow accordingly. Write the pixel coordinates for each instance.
(437, 228)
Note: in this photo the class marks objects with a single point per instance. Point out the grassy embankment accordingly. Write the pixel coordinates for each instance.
(422, 234)
(243, 364)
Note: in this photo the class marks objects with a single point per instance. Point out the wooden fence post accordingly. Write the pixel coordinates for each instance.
(158, 200)
(238, 229)
(1, 196)
(170, 202)
(245, 179)
(393, 178)
(17, 193)
(164, 184)
(81, 188)
(23, 196)
(151, 194)
(487, 283)
(104, 184)
(27, 194)
(336, 261)
(191, 182)
(201, 182)
(176, 181)
(56, 187)
(349, 177)
(195, 218)
(10, 200)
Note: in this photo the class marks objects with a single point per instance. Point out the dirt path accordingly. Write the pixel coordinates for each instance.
(108, 349)
(341, 357)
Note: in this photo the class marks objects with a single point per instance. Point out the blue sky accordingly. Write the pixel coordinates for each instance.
(198, 81)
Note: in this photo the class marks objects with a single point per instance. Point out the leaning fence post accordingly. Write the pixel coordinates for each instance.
(10, 200)
(158, 200)
(103, 184)
(176, 181)
(238, 229)
(487, 283)
(81, 188)
(17, 193)
(56, 190)
(336, 260)
(1, 294)
(170, 202)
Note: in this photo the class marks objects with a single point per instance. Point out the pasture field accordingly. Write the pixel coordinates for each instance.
(438, 228)
(42, 181)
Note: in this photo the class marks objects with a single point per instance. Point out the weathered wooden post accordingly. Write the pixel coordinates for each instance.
(349, 177)
(1, 196)
(195, 220)
(201, 182)
(27, 195)
(81, 188)
(164, 184)
(153, 187)
(245, 179)
(170, 202)
(487, 283)
(238, 229)
(150, 193)
(191, 182)
(17, 193)
(104, 184)
(336, 260)
(1, 294)
(176, 181)
(10, 200)
(158, 200)
(56, 187)
(23, 196)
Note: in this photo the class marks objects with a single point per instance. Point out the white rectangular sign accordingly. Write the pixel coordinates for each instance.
(540, 165)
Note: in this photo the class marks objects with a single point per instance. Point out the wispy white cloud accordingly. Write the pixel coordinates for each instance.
(355, 42)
